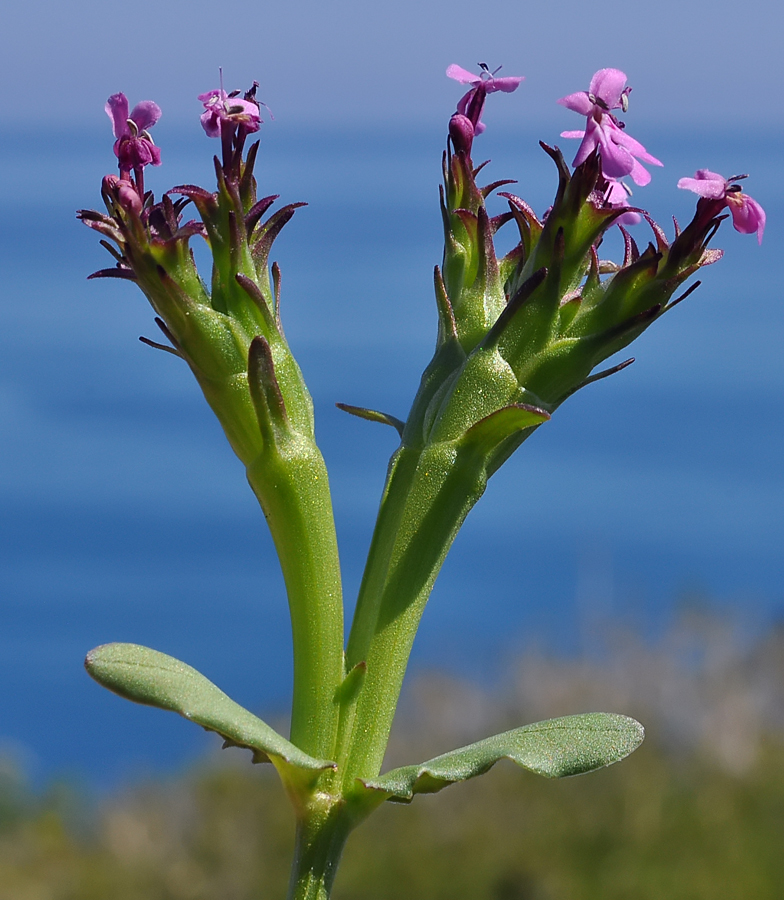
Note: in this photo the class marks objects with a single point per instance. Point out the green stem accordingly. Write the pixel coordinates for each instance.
(427, 497)
(319, 846)
(290, 482)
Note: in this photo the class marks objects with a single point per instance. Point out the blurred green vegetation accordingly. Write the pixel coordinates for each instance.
(697, 812)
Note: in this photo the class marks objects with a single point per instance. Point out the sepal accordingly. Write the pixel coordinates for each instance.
(487, 434)
(373, 415)
(263, 236)
(626, 294)
(504, 323)
(257, 211)
(573, 225)
(528, 223)
(447, 324)
(119, 271)
(471, 274)
(493, 186)
(265, 392)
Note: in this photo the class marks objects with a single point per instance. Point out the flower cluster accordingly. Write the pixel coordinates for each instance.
(554, 274)
(213, 328)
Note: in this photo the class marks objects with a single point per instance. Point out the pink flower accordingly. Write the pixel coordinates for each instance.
(220, 107)
(619, 151)
(134, 148)
(472, 103)
(748, 216)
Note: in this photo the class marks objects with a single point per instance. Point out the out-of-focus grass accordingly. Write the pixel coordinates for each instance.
(697, 812)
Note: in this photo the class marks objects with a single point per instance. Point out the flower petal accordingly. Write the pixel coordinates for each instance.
(145, 114)
(462, 103)
(707, 175)
(211, 96)
(507, 84)
(459, 74)
(706, 184)
(747, 215)
(591, 140)
(622, 137)
(578, 102)
(616, 159)
(210, 122)
(639, 174)
(629, 218)
(615, 193)
(608, 85)
(117, 110)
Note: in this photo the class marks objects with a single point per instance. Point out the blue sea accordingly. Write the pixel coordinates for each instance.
(124, 515)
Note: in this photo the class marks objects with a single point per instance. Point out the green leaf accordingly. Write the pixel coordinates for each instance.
(155, 679)
(555, 748)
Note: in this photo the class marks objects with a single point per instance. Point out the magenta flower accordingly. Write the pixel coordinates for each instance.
(134, 148)
(619, 151)
(220, 107)
(472, 103)
(748, 216)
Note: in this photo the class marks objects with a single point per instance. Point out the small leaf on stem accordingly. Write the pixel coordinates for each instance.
(556, 748)
(155, 679)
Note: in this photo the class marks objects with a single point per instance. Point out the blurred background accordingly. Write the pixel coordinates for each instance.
(628, 558)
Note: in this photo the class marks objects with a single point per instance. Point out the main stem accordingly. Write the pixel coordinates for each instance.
(321, 837)
(291, 484)
(427, 497)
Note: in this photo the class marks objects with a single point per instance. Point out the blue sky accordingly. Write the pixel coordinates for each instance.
(349, 61)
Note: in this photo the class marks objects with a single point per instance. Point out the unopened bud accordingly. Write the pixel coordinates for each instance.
(461, 130)
(124, 192)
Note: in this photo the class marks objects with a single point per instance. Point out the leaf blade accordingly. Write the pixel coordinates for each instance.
(152, 678)
(556, 748)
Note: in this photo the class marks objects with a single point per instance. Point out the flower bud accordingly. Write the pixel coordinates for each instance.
(461, 131)
(124, 193)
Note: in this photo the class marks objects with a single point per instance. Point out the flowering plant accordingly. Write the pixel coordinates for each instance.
(517, 335)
